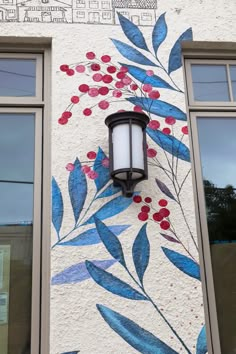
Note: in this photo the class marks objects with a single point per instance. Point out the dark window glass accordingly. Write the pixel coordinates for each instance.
(217, 151)
(210, 82)
(17, 77)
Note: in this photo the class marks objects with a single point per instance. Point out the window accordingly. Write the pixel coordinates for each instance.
(146, 17)
(80, 3)
(22, 110)
(93, 4)
(211, 89)
(105, 5)
(80, 14)
(106, 15)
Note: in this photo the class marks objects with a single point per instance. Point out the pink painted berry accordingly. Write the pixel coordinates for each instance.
(147, 88)
(124, 69)
(97, 77)
(85, 169)
(137, 109)
(151, 153)
(137, 199)
(149, 73)
(154, 94)
(164, 212)
(185, 130)
(143, 216)
(111, 69)
(120, 75)
(166, 131)
(103, 104)
(64, 67)
(87, 112)
(170, 120)
(95, 67)
(105, 162)
(70, 167)
(119, 84)
(133, 87)
(63, 121)
(93, 92)
(106, 58)
(66, 114)
(91, 155)
(83, 88)
(103, 90)
(126, 80)
(163, 202)
(107, 79)
(117, 93)
(75, 99)
(80, 68)
(145, 209)
(154, 124)
(92, 174)
(90, 55)
(165, 225)
(70, 72)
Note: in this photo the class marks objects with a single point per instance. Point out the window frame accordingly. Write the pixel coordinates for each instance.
(39, 48)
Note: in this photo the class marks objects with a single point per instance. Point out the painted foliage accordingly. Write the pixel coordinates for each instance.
(139, 81)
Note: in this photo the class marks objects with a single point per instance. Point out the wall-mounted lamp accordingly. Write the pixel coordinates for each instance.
(127, 149)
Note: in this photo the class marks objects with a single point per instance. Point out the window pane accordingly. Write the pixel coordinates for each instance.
(210, 82)
(17, 77)
(17, 147)
(17, 139)
(233, 79)
(219, 170)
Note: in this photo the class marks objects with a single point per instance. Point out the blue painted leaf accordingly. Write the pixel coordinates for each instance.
(103, 172)
(141, 252)
(164, 189)
(139, 338)
(175, 61)
(57, 206)
(132, 54)
(159, 32)
(113, 284)
(91, 236)
(132, 32)
(202, 342)
(170, 144)
(78, 272)
(111, 208)
(183, 263)
(169, 238)
(77, 186)
(110, 241)
(158, 107)
(109, 191)
(140, 75)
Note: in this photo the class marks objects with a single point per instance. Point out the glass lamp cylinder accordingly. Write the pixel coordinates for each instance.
(127, 149)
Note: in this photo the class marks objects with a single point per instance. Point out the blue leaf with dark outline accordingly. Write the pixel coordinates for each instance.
(77, 186)
(141, 252)
(158, 107)
(164, 189)
(109, 191)
(183, 263)
(110, 241)
(170, 144)
(159, 32)
(132, 54)
(202, 342)
(113, 284)
(175, 60)
(103, 172)
(138, 337)
(91, 236)
(132, 32)
(140, 75)
(78, 272)
(57, 206)
(111, 208)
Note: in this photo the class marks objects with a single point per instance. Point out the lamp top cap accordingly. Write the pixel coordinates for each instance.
(124, 117)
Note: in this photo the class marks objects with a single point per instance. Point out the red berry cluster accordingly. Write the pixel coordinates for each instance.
(155, 125)
(161, 216)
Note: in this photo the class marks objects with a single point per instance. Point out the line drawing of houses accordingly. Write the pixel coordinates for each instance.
(140, 12)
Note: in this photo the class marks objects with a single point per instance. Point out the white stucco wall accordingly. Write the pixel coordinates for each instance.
(76, 324)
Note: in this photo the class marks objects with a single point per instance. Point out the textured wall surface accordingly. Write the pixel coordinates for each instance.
(152, 300)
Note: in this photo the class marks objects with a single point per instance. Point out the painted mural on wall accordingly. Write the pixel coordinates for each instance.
(142, 84)
(140, 12)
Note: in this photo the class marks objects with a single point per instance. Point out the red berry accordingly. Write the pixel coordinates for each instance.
(147, 88)
(103, 104)
(151, 153)
(80, 68)
(165, 225)
(74, 99)
(166, 131)
(164, 212)
(107, 79)
(154, 124)
(92, 174)
(63, 120)
(105, 162)
(145, 209)
(126, 80)
(64, 67)
(91, 155)
(70, 167)
(117, 93)
(83, 88)
(148, 200)
(90, 55)
(106, 58)
(87, 112)
(120, 75)
(143, 216)
(103, 90)
(149, 73)
(137, 199)
(97, 77)
(170, 120)
(157, 217)
(137, 109)
(66, 114)
(85, 168)
(185, 130)
(133, 87)
(70, 72)
(124, 69)
(154, 94)
(163, 202)
(95, 67)
(111, 69)
(119, 84)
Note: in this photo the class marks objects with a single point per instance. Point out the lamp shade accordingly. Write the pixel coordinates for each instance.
(127, 149)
